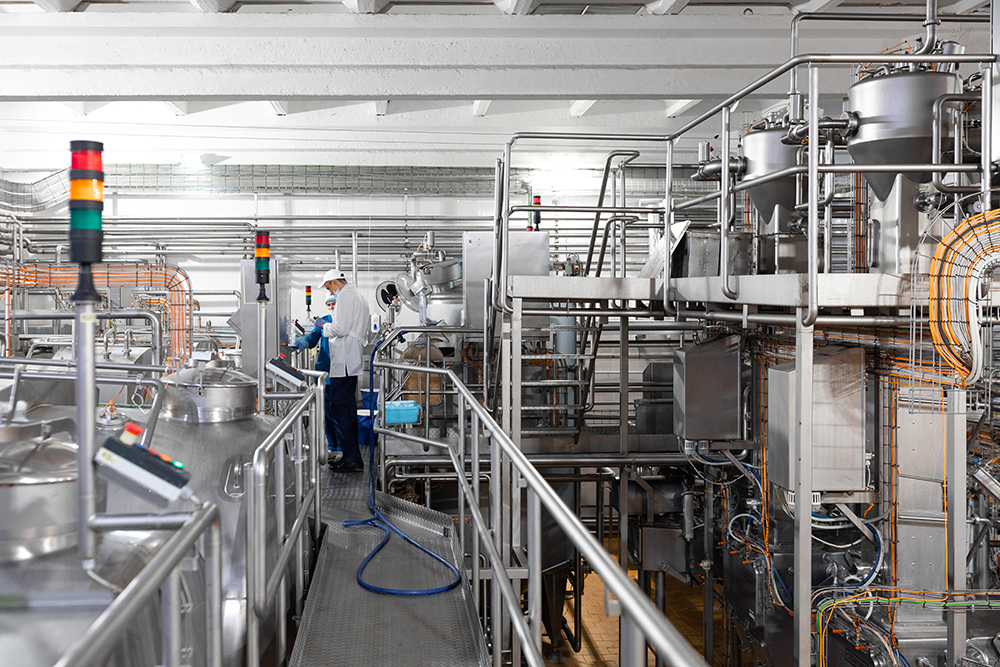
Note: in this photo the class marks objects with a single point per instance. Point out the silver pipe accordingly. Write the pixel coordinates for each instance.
(154, 414)
(354, 255)
(930, 23)
(668, 221)
(19, 361)
(170, 605)
(148, 315)
(92, 646)
(938, 177)
(987, 132)
(830, 169)
(830, 321)
(827, 58)
(104, 523)
(813, 235)
(86, 413)
(279, 511)
(861, 16)
(261, 356)
(728, 291)
(828, 211)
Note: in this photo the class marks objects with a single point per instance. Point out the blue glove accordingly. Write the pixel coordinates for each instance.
(300, 344)
(320, 321)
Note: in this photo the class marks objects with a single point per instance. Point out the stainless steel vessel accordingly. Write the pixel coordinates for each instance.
(766, 154)
(896, 115)
(208, 421)
(38, 497)
(48, 598)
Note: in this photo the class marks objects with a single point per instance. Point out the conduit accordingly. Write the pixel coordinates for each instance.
(965, 256)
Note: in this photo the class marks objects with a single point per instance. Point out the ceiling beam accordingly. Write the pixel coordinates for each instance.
(480, 107)
(214, 6)
(580, 108)
(677, 107)
(84, 108)
(381, 108)
(963, 6)
(58, 5)
(345, 57)
(365, 6)
(665, 7)
(517, 7)
(177, 108)
(813, 6)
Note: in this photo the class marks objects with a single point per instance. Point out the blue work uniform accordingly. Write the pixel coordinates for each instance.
(323, 365)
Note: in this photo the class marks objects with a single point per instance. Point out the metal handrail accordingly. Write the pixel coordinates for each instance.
(670, 645)
(264, 587)
(95, 642)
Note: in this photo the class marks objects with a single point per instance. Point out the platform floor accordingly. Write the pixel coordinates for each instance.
(345, 624)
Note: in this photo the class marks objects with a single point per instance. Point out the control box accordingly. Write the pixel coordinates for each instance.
(142, 471)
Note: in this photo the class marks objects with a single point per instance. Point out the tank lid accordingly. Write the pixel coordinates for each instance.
(38, 462)
(209, 376)
(208, 395)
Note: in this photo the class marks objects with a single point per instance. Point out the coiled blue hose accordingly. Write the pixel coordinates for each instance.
(379, 521)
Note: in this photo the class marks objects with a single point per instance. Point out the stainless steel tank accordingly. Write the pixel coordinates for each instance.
(38, 497)
(766, 154)
(208, 421)
(49, 599)
(896, 115)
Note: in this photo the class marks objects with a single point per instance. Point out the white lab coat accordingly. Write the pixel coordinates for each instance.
(348, 332)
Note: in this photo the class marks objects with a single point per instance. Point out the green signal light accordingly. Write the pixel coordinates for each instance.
(178, 464)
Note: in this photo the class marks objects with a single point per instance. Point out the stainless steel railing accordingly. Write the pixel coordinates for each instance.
(267, 589)
(100, 638)
(670, 645)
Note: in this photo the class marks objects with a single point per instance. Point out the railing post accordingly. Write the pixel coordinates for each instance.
(299, 496)
(475, 491)
(170, 605)
(213, 572)
(281, 530)
(496, 494)
(319, 454)
(461, 473)
(535, 568)
(252, 624)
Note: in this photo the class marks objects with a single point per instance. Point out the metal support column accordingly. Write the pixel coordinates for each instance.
(86, 416)
(706, 565)
(955, 457)
(802, 575)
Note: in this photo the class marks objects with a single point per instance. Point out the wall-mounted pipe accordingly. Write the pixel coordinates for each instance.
(148, 315)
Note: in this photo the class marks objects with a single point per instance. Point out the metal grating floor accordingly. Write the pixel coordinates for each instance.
(344, 624)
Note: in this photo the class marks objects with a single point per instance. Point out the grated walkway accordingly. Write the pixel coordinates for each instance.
(344, 624)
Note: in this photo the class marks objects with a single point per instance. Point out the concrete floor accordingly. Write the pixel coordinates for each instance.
(600, 633)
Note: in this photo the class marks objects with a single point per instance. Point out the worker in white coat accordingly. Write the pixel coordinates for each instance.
(346, 334)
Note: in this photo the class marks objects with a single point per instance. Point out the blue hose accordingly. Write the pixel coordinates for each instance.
(379, 521)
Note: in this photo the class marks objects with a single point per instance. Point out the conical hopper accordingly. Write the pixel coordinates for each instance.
(766, 154)
(895, 123)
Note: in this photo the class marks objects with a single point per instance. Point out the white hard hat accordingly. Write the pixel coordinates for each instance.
(332, 274)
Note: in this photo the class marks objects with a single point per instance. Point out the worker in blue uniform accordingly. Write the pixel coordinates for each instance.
(309, 341)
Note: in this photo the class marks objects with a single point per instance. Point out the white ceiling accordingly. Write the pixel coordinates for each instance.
(363, 82)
